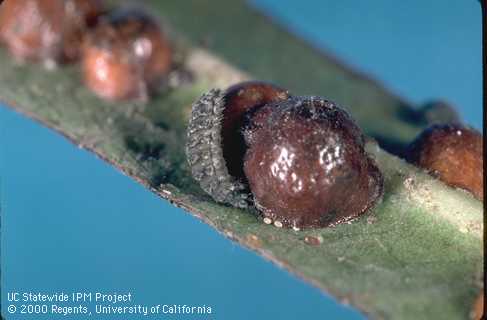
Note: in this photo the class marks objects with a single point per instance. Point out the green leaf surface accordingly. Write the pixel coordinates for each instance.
(416, 255)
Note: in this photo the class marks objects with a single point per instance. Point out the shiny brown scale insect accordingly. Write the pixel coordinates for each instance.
(453, 153)
(47, 31)
(306, 165)
(300, 161)
(127, 56)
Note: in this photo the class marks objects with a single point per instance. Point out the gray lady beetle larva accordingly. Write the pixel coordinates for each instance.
(215, 146)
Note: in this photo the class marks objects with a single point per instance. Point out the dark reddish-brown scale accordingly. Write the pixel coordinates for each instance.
(453, 153)
(302, 158)
(306, 165)
(126, 57)
(239, 100)
(84, 15)
(47, 31)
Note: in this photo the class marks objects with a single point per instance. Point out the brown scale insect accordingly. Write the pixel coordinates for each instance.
(126, 57)
(302, 158)
(306, 164)
(453, 153)
(47, 31)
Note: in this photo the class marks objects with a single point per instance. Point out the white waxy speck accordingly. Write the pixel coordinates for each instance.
(329, 159)
(278, 224)
(337, 151)
(281, 166)
(274, 169)
(267, 221)
(50, 64)
(322, 153)
(329, 166)
(295, 227)
(285, 157)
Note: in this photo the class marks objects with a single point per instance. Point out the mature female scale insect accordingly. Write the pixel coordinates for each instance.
(126, 56)
(302, 159)
(47, 31)
(453, 153)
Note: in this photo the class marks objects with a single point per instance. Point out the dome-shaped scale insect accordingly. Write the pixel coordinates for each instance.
(302, 159)
(127, 56)
(47, 31)
(453, 153)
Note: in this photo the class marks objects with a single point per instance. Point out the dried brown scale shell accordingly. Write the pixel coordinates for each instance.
(306, 164)
(205, 155)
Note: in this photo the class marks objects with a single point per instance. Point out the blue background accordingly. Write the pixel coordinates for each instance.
(72, 223)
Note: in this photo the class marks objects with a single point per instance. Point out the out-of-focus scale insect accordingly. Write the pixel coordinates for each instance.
(453, 153)
(47, 31)
(126, 57)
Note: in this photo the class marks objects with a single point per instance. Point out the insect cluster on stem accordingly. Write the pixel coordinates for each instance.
(125, 54)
